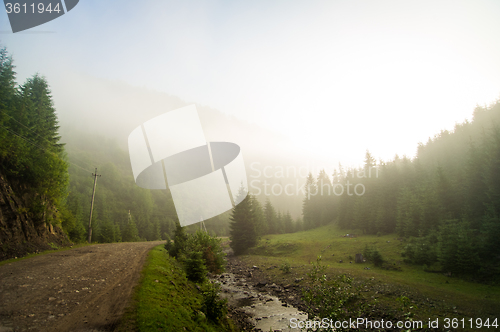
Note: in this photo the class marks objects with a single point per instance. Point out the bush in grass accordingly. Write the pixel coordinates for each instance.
(198, 252)
(421, 251)
(373, 255)
(168, 243)
(213, 307)
(336, 297)
(285, 267)
(210, 248)
(194, 265)
(179, 245)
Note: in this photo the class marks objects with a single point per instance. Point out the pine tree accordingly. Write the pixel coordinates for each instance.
(8, 96)
(346, 204)
(299, 225)
(324, 186)
(445, 193)
(41, 118)
(493, 172)
(260, 222)
(107, 232)
(309, 209)
(476, 187)
(270, 218)
(288, 223)
(30, 152)
(46, 171)
(280, 229)
(243, 234)
(130, 233)
(369, 163)
(180, 240)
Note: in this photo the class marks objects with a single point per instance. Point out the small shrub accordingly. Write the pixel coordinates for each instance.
(373, 255)
(406, 307)
(179, 244)
(198, 252)
(210, 248)
(213, 307)
(421, 251)
(335, 297)
(286, 268)
(194, 266)
(168, 244)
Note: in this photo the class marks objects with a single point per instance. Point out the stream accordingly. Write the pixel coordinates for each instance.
(265, 310)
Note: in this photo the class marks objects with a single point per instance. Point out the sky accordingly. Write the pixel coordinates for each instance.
(335, 77)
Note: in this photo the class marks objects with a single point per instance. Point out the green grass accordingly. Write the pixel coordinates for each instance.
(448, 296)
(166, 301)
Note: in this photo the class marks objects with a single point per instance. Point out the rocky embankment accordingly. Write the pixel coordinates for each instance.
(20, 233)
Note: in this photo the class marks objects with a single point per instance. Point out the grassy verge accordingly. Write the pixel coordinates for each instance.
(432, 295)
(55, 249)
(165, 300)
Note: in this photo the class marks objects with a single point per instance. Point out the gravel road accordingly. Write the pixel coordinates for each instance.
(82, 289)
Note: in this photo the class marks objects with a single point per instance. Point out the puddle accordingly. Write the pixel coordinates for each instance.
(245, 302)
(267, 311)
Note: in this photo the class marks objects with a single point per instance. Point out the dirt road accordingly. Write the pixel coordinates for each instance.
(83, 289)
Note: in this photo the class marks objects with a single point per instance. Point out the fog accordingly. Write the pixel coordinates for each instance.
(332, 78)
(117, 108)
(366, 133)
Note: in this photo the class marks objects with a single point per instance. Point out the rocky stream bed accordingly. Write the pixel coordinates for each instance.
(257, 304)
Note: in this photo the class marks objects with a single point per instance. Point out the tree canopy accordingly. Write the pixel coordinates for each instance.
(446, 199)
(31, 155)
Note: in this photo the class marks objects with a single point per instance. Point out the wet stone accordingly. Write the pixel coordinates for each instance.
(267, 311)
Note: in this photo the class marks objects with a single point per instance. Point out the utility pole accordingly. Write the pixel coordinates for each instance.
(92, 205)
(202, 225)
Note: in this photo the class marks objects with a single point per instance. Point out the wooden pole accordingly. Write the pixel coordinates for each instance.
(95, 175)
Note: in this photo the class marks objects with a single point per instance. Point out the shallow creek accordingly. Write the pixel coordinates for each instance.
(267, 312)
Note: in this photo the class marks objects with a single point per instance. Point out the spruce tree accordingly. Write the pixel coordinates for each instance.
(279, 223)
(243, 234)
(325, 212)
(7, 95)
(309, 208)
(260, 222)
(130, 233)
(288, 223)
(270, 217)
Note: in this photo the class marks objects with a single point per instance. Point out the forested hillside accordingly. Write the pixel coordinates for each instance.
(445, 201)
(32, 167)
(56, 178)
(152, 212)
(116, 108)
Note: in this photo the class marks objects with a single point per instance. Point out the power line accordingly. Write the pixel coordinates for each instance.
(43, 138)
(95, 175)
(42, 148)
(10, 116)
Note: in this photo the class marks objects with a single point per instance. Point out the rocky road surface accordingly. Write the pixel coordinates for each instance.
(78, 290)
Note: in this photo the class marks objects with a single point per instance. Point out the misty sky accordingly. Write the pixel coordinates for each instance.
(337, 77)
